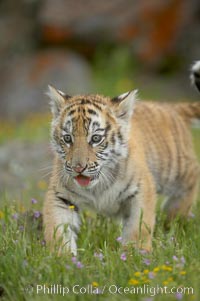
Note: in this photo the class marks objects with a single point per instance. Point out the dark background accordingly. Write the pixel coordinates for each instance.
(95, 46)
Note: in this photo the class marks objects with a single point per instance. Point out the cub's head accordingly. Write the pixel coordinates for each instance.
(90, 135)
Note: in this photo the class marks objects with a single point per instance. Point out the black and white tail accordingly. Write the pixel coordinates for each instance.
(195, 74)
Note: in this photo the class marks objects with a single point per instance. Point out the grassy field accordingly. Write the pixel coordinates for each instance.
(103, 270)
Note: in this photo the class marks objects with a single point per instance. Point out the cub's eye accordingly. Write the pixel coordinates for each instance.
(96, 138)
(67, 138)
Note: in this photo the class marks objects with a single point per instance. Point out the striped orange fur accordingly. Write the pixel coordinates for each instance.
(114, 156)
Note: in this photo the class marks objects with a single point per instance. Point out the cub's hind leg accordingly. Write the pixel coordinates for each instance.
(183, 194)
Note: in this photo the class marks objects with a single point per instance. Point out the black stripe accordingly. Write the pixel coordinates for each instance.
(103, 154)
(68, 203)
(197, 83)
(125, 204)
(101, 130)
(113, 138)
(71, 112)
(97, 106)
(85, 101)
(104, 146)
(125, 189)
(93, 102)
(196, 74)
(80, 102)
(66, 126)
(112, 151)
(120, 137)
(98, 156)
(95, 124)
(92, 112)
(108, 127)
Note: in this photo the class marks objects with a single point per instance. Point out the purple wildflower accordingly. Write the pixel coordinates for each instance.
(97, 291)
(43, 242)
(179, 296)
(175, 258)
(37, 214)
(98, 255)
(21, 228)
(34, 201)
(146, 261)
(191, 215)
(68, 267)
(79, 265)
(123, 256)
(182, 260)
(74, 259)
(151, 275)
(24, 263)
(15, 216)
(143, 252)
(119, 239)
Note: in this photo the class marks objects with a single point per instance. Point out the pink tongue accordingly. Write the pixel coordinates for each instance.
(82, 180)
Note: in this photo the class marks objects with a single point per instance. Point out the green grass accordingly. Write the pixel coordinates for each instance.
(25, 261)
(35, 127)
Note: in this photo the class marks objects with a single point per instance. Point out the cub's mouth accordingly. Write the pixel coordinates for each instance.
(83, 180)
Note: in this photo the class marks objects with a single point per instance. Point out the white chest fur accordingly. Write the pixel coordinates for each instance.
(107, 202)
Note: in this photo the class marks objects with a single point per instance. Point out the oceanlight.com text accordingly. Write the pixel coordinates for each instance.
(58, 289)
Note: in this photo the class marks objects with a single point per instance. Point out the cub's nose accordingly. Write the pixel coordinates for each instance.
(79, 168)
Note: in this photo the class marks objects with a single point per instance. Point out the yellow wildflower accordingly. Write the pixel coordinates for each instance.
(71, 207)
(94, 283)
(145, 280)
(166, 268)
(165, 282)
(1, 214)
(146, 272)
(133, 281)
(182, 272)
(42, 185)
(137, 274)
(22, 209)
(156, 269)
(170, 279)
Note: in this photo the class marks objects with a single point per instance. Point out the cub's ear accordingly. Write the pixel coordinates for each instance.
(58, 100)
(124, 104)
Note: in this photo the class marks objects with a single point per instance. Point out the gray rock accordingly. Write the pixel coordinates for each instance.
(23, 163)
(25, 79)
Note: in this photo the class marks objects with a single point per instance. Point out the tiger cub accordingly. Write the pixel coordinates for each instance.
(113, 156)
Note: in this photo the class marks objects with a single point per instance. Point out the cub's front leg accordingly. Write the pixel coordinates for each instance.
(139, 215)
(61, 223)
